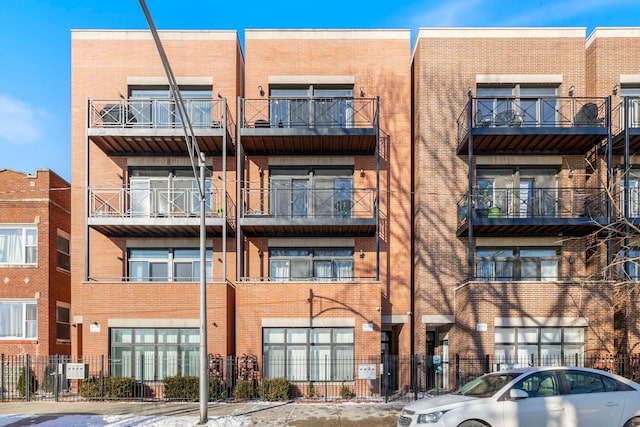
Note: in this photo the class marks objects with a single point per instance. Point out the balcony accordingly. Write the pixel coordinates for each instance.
(539, 212)
(309, 212)
(309, 126)
(153, 126)
(626, 122)
(541, 125)
(131, 212)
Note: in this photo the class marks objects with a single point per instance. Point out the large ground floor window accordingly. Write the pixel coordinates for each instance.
(308, 354)
(525, 346)
(153, 354)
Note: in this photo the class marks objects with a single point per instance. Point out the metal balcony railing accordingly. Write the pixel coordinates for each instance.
(516, 112)
(158, 113)
(534, 203)
(309, 203)
(626, 114)
(154, 203)
(309, 113)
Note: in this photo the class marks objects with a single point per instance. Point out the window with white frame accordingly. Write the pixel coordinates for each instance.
(309, 354)
(633, 194)
(311, 106)
(63, 322)
(172, 192)
(311, 192)
(290, 264)
(18, 244)
(168, 265)
(630, 93)
(519, 263)
(516, 105)
(544, 346)
(152, 354)
(630, 265)
(154, 106)
(18, 319)
(63, 251)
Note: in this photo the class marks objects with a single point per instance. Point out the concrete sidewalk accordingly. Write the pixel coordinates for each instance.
(258, 413)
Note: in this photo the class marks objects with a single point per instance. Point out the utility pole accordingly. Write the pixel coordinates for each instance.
(197, 162)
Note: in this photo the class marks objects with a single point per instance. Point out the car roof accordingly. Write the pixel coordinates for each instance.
(526, 370)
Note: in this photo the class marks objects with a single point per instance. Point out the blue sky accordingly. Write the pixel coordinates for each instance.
(35, 38)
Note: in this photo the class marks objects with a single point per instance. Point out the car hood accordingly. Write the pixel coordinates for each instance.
(443, 402)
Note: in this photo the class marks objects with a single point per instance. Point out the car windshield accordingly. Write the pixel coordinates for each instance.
(486, 385)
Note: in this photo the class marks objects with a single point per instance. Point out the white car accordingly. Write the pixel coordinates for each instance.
(532, 397)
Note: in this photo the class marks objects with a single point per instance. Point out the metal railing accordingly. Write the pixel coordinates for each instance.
(153, 203)
(516, 112)
(375, 378)
(309, 113)
(622, 119)
(531, 203)
(309, 203)
(158, 113)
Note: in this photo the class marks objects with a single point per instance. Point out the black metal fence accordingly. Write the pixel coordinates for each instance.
(375, 378)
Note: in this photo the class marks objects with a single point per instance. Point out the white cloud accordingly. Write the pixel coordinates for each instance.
(19, 122)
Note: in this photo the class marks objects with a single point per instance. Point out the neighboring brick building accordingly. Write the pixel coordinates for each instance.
(361, 199)
(302, 241)
(512, 125)
(35, 280)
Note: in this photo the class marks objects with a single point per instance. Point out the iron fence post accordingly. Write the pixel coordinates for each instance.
(2, 377)
(56, 375)
(487, 364)
(326, 380)
(457, 358)
(101, 377)
(27, 377)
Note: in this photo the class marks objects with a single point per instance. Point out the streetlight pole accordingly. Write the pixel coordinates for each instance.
(195, 155)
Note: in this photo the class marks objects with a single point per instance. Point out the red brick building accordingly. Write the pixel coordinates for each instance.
(35, 279)
(518, 137)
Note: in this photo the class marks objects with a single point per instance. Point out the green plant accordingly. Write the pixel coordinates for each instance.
(188, 388)
(244, 390)
(112, 388)
(311, 391)
(274, 389)
(345, 391)
(32, 383)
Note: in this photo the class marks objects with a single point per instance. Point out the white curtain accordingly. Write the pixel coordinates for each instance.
(12, 249)
(11, 320)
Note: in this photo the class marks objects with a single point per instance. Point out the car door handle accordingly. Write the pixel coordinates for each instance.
(611, 404)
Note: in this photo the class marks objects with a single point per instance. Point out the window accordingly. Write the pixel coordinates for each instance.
(64, 257)
(507, 264)
(153, 354)
(311, 192)
(547, 346)
(631, 266)
(63, 322)
(634, 199)
(541, 384)
(590, 382)
(18, 245)
(167, 193)
(153, 106)
(308, 354)
(633, 116)
(516, 106)
(168, 265)
(330, 264)
(18, 320)
(311, 106)
(517, 193)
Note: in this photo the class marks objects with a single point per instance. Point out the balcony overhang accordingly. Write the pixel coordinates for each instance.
(539, 140)
(158, 227)
(266, 226)
(319, 140)
(618, 143)
(157, 141)
(539, 226)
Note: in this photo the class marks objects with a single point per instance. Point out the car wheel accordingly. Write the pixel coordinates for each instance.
(474, 423)
(634, 422)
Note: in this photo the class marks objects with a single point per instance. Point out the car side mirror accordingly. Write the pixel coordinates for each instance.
(517, 394)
